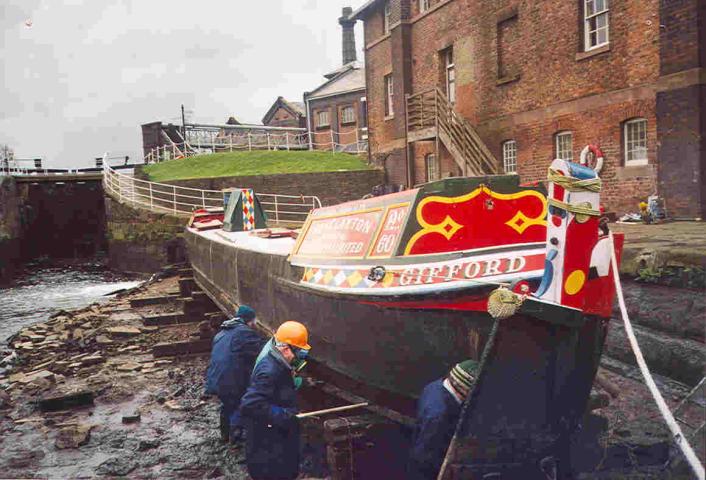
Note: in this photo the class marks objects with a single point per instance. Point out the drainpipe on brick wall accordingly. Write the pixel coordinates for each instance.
(308, 120)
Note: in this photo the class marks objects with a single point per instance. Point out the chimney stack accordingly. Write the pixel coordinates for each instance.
(348, 25)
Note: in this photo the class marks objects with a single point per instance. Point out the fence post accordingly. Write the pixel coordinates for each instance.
(268, 141)
(174, 198)
(249, 142)
(357, 140)
(286, 136)
(276, 211)
(203, 198)
(333, 144)
(230, 140)
(151, 198)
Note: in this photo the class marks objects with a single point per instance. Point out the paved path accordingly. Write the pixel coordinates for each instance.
(665, 244)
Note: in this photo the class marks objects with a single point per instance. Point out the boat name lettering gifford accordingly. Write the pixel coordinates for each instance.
(462, 271)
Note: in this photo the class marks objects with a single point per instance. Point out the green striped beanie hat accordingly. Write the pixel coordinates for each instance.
(463, 376)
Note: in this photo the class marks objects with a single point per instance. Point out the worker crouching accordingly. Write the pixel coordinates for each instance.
(233, 355)
(269, 407)
(438, 411)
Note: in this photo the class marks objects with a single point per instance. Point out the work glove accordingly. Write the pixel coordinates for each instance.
(282, 417)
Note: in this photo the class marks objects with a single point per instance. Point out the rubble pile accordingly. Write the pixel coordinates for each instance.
(78, 388)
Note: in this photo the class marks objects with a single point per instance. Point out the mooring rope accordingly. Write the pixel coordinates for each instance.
(575, 209)
(573, 184)
(679, 437)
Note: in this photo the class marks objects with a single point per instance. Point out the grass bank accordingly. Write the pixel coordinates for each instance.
(232, 164)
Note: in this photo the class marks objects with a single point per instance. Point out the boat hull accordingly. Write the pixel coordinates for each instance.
(395, 350)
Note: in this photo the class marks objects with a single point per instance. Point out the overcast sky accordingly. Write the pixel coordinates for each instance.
(81, 76)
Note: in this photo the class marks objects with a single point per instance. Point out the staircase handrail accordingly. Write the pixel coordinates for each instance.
(431, 108)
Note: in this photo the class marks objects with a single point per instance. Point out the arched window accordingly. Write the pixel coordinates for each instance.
(432, 166)
(510, 156)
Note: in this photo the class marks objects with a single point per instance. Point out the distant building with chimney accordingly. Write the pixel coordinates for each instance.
(337, 109)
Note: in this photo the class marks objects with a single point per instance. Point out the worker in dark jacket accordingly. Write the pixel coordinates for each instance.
(269, 407)
(233, 355)
(438, 411)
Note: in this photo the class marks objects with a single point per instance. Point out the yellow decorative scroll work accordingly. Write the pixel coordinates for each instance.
(448, 227)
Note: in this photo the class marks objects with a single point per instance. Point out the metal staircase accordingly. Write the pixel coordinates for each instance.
(430, 115)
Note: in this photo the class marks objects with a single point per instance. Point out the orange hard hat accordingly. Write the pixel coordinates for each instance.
(293, 333)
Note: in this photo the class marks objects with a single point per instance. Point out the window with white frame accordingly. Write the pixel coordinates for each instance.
(432, 167)
(347, 115)
(510, 156)
(564, 145)
(386, 14)
(389, 95)
(595, 19)
(635, 134)
(424, 5)
(323, 119)
(450, 74)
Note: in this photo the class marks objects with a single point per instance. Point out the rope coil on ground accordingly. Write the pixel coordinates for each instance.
(672, 424)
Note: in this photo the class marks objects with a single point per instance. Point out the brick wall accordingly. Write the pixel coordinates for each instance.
(151, 136)
(682, 158)
(682, 111)
(542, 83)
(330, 187)
(344, 134)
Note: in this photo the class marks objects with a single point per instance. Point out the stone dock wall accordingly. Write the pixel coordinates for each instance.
(330, 187)
(142, 241)
(10, 228)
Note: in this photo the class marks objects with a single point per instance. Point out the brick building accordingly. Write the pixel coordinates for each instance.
(283, 113)
(337, 109)
(541, 79)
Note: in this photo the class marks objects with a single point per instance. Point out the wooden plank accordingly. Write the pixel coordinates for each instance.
(144, 301)
(382, 411)
(167, 319)
(423, 134)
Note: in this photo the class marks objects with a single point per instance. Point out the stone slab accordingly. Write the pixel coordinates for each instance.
(156, 300)
(672, 243)
(54, 403)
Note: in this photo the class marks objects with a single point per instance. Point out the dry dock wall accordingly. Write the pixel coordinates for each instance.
(142, 241)
(10, 228)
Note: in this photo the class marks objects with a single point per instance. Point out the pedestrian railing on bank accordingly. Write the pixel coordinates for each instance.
(205, 139)
(281, 210)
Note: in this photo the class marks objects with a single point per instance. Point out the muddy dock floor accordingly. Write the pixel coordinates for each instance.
(86, 398)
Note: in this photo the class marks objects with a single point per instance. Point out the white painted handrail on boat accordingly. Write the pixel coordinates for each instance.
(182, 201)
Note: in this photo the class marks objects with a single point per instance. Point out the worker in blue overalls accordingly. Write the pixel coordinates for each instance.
(233, 355)
(269, 407)
(438, 411)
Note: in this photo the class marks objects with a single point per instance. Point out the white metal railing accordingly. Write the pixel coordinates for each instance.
(182, 201)
(205, 139)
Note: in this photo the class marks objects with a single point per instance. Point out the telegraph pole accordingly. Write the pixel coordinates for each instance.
(183, 122)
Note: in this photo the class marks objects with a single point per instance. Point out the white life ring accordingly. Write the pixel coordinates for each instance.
(597, 153)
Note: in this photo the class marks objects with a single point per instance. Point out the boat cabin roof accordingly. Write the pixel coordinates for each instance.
(246, 241)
